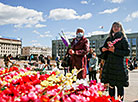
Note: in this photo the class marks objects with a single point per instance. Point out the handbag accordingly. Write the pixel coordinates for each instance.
(65, 61)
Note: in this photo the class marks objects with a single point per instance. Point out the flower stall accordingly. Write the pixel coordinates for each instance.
(26, 85)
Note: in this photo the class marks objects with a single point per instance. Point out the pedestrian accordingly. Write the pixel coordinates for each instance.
(135, 63)
(130, 61)
(78, 51)
(42, 65)
(115, 70)
(89, 55)
(37, 59)
(127, 62)
(101, 64)
(57, 61)
(48, 62)
(65, 63)
(30, 58)
(93, 67)
(7, 60)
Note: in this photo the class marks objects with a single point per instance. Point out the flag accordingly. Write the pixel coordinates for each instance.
(101, 27)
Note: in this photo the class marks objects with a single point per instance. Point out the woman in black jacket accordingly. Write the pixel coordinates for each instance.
(115, 49)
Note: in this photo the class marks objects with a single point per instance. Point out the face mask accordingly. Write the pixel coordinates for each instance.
(79, 35)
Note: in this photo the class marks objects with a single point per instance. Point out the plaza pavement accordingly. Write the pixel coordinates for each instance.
(131, 92)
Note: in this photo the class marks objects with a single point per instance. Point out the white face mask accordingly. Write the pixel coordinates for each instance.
(79, 35)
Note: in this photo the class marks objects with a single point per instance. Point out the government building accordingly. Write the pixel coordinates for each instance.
(96, 41)
(36, 51)
(10, 46)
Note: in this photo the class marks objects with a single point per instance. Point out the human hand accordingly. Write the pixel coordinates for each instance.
(110, 44)
(112, 49)
(71, 52)
(104, 49)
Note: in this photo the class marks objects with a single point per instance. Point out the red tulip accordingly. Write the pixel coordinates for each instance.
(45, 98)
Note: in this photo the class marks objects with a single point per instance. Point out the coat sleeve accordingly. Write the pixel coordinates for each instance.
(125, 48)
(105, 44)
(85, 49)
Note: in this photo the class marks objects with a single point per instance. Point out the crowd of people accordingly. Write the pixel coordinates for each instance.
(112, 64)
(40, 62)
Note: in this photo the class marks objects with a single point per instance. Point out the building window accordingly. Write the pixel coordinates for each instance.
(134, 41)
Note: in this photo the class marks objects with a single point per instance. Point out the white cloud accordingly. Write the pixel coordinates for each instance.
(131, 16)
(109, 11)
(67, 14)
(40, 25)
(97, 33)
(45, 35)
(37, 44)
(33, 41)
(36, 32)
(47, 32)
(19, 16)
(84, 2)
(70, 34)
(115, 1)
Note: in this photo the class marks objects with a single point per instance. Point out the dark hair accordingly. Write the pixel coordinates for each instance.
(9, 55)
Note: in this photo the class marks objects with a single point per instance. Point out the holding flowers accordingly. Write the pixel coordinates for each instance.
(78, 51)
(114, 70)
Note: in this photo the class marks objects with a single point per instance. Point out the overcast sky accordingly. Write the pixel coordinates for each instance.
(38, 22)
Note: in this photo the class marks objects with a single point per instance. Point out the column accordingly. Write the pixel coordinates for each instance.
(137, 47)
(130, 47)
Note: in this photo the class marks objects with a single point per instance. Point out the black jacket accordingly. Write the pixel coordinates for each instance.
(114, 70)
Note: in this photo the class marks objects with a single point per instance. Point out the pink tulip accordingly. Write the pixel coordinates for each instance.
(86, 93)
(37, 100)
(24, 98)
(32, 96)
(38, 87)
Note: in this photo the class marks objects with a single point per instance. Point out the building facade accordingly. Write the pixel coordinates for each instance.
(10, 46)
(27, 51)
(96, 41)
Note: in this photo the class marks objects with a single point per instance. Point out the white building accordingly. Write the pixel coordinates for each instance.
(27, 51)
(10, 46)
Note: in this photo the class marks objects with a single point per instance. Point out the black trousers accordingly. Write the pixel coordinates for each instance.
(120, 91)
(92, 75)
(65, 71)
